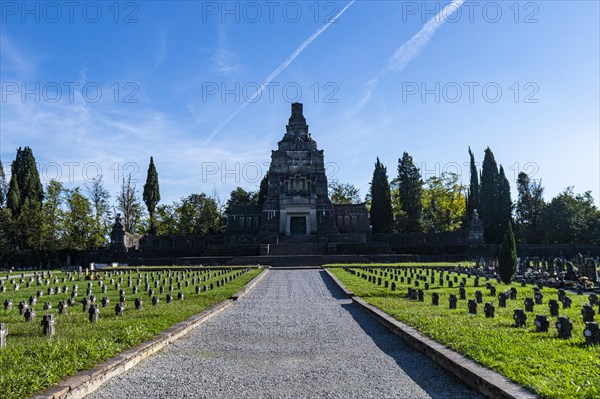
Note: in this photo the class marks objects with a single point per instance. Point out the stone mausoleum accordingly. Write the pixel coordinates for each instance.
(297, 208)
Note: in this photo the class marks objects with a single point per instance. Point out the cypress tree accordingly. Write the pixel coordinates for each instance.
(410, 187)
(13, 198)
(24, 199)
(25, 185)
(507, 260)
(504, 205)
(488, 195)
(473, 193)
(3, 186)
(382, 218)
(151, 193)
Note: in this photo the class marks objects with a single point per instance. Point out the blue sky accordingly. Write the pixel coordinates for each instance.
(99, 88)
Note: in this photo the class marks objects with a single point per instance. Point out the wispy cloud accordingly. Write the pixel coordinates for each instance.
(15, 63)
(410, 49)
(278, 70)
(223, 60)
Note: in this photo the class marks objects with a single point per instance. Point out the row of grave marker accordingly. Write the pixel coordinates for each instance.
(563, 325)
(93, 310)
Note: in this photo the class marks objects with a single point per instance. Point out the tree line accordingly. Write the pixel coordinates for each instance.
(408, 204)
(57, 218)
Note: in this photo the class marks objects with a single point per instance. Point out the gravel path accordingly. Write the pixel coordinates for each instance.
(293, 336)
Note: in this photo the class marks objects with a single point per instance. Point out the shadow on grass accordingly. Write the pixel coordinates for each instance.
(438, 383)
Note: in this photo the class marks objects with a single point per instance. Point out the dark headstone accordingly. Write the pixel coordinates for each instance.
(520, 318)
(452, 301)
(541, 323)
(138, 303)
(94, 313)
(435, 299)
(529, 304)
(119, 308)
(587, 311)
(553, 305)
(48, 324)
(8, 303)
(169, 298)
(567, 301)
(105, 301)
(591, 333)
(462, 293)
(420, 297)
(472, 305)
(513, 293)
(47, 306)
(63, 308)
(489, 310)
(502, 299)
(564, 327)
(29, 314)
(155, 301)
(478, 297)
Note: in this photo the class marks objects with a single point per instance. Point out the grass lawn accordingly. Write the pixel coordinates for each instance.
(542, 362)
(31, 362)
(466, 263)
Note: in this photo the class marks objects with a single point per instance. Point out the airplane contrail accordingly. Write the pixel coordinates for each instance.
(410, 49)
(279, 69)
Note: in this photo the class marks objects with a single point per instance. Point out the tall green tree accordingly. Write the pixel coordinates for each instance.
(343, 193)
(53, 216)
(13, 196)
(239, 196)
(382, 218)
(488, 198)
(3, 186)
(504, 204)
(99, 198)
(79, 222)
(26, 180)
(443, 203)
(151, 193)
(166, 219)
(198, 214)
(24, 199)
(129, 205)
(507, 260)
(473, 191)
(410, 188)
(530, 204)
(571, 218)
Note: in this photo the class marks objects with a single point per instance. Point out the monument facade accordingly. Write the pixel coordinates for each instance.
(297, 202)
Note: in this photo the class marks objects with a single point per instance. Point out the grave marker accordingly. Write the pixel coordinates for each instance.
(564, 327)
(541, 323)
(48, 324)
(520, 318)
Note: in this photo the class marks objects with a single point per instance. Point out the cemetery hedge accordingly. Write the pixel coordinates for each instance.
(542, 362)
(32, 362)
